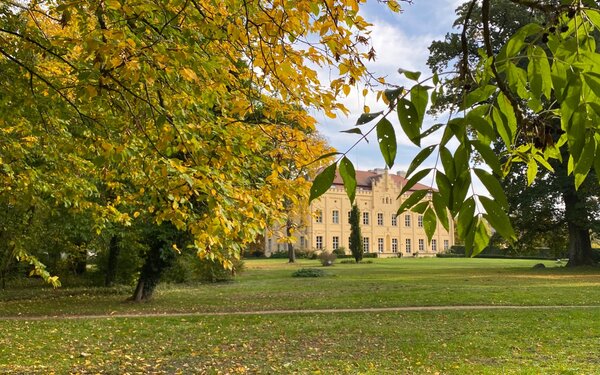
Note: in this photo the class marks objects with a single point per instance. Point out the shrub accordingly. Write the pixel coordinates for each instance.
(327, 258)
(279, 255)
(369, 255)
(188, 268)
(308, 272)
(340, 252)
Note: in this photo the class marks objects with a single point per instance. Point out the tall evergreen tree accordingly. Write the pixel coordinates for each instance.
(356, 246)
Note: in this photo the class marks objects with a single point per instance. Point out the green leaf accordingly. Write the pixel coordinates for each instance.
(585, 161)
(322, 182)
(352, 131)
(502, 127)
(420, 207)
(538, 71)
(460, 189)
(413, 199)
(386, 136)
(481, 239)
(444, 187)
(448, 163)
(493, 186)
(440, 209)
(429, 223)
(593, 81)
(515, 44)
(508, 113)
(497, 218)
(420, 158)
(431, 130)
(367, 117)
(325, 156)
(479, 120)
(392, 94)
(409, 120)
(464, 219)
(480, 94)
(413, 180)
(410, 75)
(419, 97)
(532, 169)
(348, 174)
(593, 16)
(489, 156)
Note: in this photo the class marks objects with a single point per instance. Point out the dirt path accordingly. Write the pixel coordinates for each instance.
(307, 311)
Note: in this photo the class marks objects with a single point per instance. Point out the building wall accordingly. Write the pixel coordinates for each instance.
(380, 199)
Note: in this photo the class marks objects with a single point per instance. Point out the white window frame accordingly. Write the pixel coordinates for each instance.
(319, 242)
(365, 218)
(408, 246)
(380, 245)
(434, 245)
(335, 242)
(380, 218)
(318, 216)
(394, 220)
(421, 244)
(420, 221)
(365, 244)
(407, 220)
(335, 217)
(394, 245)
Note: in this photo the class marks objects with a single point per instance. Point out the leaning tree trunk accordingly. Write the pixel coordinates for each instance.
(291, 252)
(580, 245)
(152, 270)
(114, 249)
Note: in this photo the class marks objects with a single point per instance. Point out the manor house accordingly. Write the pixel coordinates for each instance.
(325, 226)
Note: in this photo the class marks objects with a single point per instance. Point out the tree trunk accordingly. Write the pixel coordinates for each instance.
(291, 252)
(580, 244)
(113, 257)
(152, 270)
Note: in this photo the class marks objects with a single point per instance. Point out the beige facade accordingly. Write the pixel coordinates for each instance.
(326, 226)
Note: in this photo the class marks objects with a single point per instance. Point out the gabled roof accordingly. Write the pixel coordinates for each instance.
(364, 179)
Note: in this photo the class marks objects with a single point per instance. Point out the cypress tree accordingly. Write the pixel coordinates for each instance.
(356, 246)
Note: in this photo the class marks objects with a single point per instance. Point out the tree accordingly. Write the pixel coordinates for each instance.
(534, 209)
(164, 94)
(356, 245)
(521, 92)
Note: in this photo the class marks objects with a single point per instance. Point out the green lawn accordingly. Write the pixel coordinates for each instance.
(447, 342)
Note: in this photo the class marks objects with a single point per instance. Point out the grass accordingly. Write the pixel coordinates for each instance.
(447, 342)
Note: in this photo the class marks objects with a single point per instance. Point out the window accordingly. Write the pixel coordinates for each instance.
(335, 216)
(407, 220)
(433, 245)
(446, 245)
(366, 244)
(365, 218)
(421, 244)
(394, 220)
(302, 242)
(319, 242)
(420, 221)
(335, 242)
(270, 244)
(379, 218)
(380, 245)
(408, 250)
(318, 216)
(394, 245)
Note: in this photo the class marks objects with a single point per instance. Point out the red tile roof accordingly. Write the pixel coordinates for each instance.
(364, 180)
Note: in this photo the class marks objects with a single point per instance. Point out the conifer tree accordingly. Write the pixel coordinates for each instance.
(355, 235)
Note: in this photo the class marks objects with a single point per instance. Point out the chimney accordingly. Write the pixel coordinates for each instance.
(401, 173)
(379, 170)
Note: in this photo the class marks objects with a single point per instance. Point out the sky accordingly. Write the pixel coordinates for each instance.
(400, 41)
